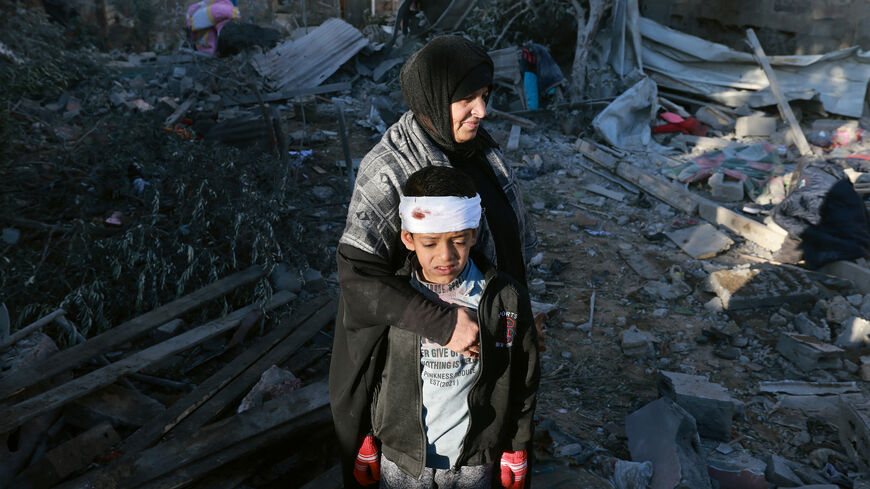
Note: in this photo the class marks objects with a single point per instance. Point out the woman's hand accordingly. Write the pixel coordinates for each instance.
(466, 334)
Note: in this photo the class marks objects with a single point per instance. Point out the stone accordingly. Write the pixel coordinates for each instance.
(865, 309)
(275, 382)
(737, 470)
(804, 325)
(10, 236)
(779, 472)
(854, 428)
(637, 343)
(284, 277)
(323, 192)
(313, 279)
(709, 403)
(839, 310)
(855, 333)
(714, 305)
(855, 299)
(179, 72)
(754, 125)
(725, 190)
(665, 434)
(631, 475)
(808, 352)
(761, 286)
(778, 320)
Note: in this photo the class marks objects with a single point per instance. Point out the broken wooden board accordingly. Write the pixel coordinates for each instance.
(116, 404)
(30, 328)
(76, 388)
(597, 156)
(668, 192)
(851, 271)
(69, 457)
(514, 139)
(205, 390)
(598, 189)
(168, 459)
(243, 382)
(74, 356)
(308, 61)
(743, 226)
(701, 241)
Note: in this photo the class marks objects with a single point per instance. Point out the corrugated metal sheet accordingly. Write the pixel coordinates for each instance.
(308, 61)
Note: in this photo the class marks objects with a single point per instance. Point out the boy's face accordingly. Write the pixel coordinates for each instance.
(442, 256)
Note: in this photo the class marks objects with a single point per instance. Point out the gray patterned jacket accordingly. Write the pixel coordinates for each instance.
(373, 222)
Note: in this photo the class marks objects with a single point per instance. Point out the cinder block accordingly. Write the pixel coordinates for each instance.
(808, 352)
(709, 403)
(666, 435)
(762, 286)
(725, 190)
(754, 125)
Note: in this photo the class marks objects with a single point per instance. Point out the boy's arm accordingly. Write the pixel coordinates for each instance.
(525, 375)
(374, 296)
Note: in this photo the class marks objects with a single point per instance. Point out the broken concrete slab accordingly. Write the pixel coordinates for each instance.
(709, 403)
(839, 310)
(700, 242)
(737, 470)
(855, 333)
(807, 326)
(754, 125)
(637, 343)
(801, 388)
(665, 434)
(854, 428)
(725, 190)
(779, 472)
(808, 352)
(643, 266)
(745, 288)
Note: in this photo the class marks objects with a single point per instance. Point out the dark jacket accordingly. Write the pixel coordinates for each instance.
(502, 399)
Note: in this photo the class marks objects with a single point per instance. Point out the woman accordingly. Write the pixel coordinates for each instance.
(446, 85)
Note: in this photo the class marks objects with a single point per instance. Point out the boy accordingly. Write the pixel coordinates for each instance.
(443, 419)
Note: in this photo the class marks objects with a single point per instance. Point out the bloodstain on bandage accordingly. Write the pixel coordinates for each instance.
(418, 214)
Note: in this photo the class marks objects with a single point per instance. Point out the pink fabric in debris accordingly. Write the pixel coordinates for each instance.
(206, 19)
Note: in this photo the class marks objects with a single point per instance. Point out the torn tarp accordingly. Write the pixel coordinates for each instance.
(684, 62)
(625, 123)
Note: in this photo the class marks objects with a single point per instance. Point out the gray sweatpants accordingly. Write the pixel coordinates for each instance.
(470, 477)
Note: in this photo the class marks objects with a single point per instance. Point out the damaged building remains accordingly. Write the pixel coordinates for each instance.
(175, 176)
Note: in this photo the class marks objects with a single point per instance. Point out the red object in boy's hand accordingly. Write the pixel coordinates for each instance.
(367, 466)
(514, 467)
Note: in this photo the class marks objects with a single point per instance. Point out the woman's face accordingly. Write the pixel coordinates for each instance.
(466, 115)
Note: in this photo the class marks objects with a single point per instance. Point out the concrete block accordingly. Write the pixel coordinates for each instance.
(709, 403)
(808, 352)
(854, 430)
(637, 343)
(666, 435)
(807, 326)
(779, 472)
(725, 190)
(736, 470)
(839, 310)
(855, 333)
(762, 286)
(754, 125)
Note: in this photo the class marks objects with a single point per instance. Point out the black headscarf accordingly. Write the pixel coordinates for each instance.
(446, 69)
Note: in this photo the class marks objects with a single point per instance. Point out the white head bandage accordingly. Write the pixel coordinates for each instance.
(439, 214)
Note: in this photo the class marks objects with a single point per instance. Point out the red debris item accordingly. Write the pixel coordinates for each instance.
(688, 125)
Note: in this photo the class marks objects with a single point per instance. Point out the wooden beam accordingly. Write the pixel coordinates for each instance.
(74, 356)
(597, 156)
(668, 192)
(514, 140)
(76, 388)
(750, 229)
(218, 403)
(134, 470)
(30, 328)
(781, 102)
(205, 390)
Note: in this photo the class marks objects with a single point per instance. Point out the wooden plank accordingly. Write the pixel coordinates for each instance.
(67, 458)
(116, 404)
(670, 193)
(205, 390)
(612, 178)
(288, 94)
(30, 328)
(514, 119)
(217, 404)
(76, 388)
(514, 140)
(742, 226)
(598, 189)
(166, 459)
(180, 111)
(127, 331)
(701, 241)
(597, 156)
(851, 271)
(781, 102)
